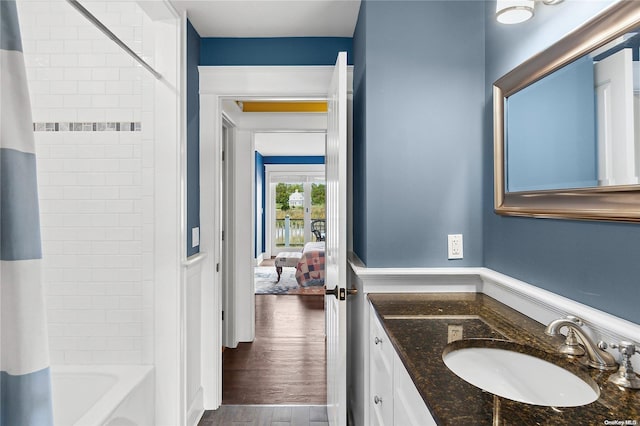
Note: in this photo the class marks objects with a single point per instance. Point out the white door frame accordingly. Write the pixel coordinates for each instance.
(169, 204)
(217, 83)
(227, 253)
(615, 120)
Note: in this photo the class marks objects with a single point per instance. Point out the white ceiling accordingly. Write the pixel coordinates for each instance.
(271, 18)
(290, 144)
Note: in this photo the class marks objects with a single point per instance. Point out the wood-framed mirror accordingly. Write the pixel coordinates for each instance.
(560, 153)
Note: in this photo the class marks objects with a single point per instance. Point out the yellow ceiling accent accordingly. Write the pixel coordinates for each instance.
(280, 106)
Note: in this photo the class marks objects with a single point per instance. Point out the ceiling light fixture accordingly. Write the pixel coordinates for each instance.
(514, 11)
(517, 11)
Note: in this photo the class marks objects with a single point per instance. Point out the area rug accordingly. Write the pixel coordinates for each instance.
(266, 280)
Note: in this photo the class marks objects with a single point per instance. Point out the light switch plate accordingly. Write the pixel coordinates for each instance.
(195, 236)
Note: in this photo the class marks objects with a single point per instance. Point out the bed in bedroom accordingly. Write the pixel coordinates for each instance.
(310, 267)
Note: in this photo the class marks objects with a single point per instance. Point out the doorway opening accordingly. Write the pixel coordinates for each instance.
(280, 357)
(218, 84)
(298, 210)
(294, 203)
(294, 229)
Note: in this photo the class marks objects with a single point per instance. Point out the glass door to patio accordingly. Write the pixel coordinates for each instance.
(297, 206)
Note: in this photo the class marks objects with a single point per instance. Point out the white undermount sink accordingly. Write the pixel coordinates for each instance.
(519, 377)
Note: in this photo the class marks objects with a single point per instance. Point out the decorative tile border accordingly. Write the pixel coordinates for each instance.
(108, 126)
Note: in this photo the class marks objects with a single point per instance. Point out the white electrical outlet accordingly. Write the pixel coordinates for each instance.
(455, 246)
(454, 333)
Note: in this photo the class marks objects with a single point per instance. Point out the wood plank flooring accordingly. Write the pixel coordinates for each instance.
(256, 415)
(286, 362)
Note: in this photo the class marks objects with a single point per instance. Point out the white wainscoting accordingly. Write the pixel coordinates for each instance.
(193, 292)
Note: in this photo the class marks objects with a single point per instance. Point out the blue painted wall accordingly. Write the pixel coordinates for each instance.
(259, 203)
(315, 159)
(418, 137)
(193, 135)
(274, 51)
(360, 134)
(595, 263)
(553, 147)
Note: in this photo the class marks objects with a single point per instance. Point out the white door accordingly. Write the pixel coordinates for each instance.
(616, 141)
(336, 245)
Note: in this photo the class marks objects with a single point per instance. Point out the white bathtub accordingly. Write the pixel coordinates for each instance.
(102, 395)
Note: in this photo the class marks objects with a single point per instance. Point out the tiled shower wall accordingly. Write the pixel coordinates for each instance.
(95, 172)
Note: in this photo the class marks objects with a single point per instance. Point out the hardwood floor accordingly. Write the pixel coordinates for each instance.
(286, 362)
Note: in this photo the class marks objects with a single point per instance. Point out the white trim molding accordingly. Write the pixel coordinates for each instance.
(278, 82)
(534, 302)
(194, 260)
(169, 250)
(296, 169)
(216, 85)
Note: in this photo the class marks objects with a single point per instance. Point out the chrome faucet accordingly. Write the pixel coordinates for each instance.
(595, 357)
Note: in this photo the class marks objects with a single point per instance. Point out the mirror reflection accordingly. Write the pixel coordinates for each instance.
(578, 127)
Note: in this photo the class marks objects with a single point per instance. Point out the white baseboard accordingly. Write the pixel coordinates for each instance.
(258, 260)
(195, 410)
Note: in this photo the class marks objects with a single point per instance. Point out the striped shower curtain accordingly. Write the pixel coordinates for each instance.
(25, 383)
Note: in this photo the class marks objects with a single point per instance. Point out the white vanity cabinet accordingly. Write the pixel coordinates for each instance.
(409, 408)
(393, 397)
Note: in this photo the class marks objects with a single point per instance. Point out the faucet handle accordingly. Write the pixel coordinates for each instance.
(625, 347)
(625, 376)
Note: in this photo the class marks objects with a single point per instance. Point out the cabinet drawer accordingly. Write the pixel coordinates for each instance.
(380, 374)
(381, 391)
(379, 343)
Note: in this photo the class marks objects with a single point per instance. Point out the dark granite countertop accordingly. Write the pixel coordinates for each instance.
(417, 324)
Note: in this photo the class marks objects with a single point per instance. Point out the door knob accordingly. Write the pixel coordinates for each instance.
(335, 291)
(340, 293)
